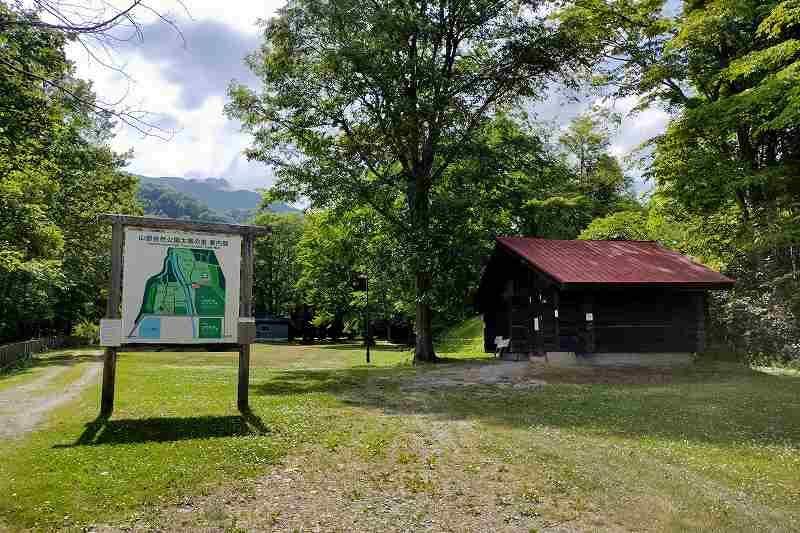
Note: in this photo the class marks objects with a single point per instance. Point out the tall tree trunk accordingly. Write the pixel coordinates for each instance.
(419, 204)
(423, 353)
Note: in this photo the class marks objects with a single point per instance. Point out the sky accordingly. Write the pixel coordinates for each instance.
(183, 81)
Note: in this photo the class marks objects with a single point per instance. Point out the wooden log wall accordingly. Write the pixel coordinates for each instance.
(648, 321)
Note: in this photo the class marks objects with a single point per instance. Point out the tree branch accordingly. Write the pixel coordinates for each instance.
(126, 117)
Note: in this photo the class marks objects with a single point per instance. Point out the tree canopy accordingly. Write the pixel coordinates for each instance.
(56, 174)
(370, 104)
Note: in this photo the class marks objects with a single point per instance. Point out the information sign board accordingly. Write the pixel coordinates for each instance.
(180, 287)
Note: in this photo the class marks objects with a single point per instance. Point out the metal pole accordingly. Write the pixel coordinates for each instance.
(366, 286)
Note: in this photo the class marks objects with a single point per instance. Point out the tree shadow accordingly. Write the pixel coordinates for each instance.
(701, 404)
(361, 347)
(103, 431)
(291, 382)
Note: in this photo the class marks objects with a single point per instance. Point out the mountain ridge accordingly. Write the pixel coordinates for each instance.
(207, 199)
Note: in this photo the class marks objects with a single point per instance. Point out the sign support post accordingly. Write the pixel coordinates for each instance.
(112, 312)
(245, 312)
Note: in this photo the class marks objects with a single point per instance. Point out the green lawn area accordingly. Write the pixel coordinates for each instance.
(333, 443)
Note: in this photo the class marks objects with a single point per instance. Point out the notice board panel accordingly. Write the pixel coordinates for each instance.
(180, 287)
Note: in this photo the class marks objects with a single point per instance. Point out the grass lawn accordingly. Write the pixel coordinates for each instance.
(335, 444)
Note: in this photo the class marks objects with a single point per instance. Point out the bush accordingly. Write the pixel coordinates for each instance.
(87, 330)
(759, 325)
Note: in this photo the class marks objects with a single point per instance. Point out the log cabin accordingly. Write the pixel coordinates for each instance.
(593, 299)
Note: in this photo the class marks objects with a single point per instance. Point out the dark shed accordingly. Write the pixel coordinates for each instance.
(271, 328)
(594, 297)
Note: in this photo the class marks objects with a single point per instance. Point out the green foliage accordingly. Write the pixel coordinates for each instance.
(334, 250)
(277, 267)
(725, 170)
(88, 330)
(620, 226)
(165, 201)
(56, 175)
(369, 105)
(592, 187)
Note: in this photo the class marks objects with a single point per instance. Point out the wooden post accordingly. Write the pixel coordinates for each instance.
(588, 308)
(112, 311)
(556, 327)
(700, 317)
(538, 309)
(245, 311)
(242, 398)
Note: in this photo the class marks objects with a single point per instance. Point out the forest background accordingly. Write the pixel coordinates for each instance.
(724, 176)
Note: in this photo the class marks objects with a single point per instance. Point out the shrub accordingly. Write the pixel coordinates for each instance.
(88, 330)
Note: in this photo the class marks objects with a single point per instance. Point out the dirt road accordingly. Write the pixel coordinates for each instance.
(24, 406)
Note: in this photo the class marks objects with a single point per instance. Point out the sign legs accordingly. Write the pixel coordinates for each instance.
(109, 377)
(244, 377)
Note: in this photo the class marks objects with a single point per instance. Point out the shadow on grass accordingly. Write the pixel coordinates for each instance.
(361, 347)
(716, 405)
(103, 431)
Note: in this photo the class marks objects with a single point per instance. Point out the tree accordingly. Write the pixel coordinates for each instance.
(588, 183)
(588, 139)
(620, 226)
(277, 267)
(56, 174)
(370, 104)
(97, 27)
(729, 72)
(336, 248)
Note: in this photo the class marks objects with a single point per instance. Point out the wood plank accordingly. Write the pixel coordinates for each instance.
(184, 225)
(162, 347)
(112, 311)
(245, 311)
(242, 391)
(700, 316)
(246, 283)
(556, 321)
(588, 328)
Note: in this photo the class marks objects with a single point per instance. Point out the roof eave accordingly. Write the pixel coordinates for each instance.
(699, 286)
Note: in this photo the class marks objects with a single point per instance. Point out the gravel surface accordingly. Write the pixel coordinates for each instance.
(24, 406)
(515, 374)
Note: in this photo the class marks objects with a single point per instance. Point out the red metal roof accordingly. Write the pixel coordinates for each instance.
(612, 262)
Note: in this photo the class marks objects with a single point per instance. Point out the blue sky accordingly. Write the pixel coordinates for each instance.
(183, 81)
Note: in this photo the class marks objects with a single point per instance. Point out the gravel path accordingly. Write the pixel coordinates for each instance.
(500, 373)
(24, 406)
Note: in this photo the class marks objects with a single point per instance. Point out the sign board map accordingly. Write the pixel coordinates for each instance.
(180, 287)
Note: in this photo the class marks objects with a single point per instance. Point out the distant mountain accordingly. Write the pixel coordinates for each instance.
(209, 200)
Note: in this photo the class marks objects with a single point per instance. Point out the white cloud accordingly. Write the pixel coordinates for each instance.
(636, 128)
(185, 87)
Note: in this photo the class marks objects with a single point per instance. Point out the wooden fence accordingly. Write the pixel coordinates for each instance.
(21, 351)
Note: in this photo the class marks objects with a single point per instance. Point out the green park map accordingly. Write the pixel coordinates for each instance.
(191, 284)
